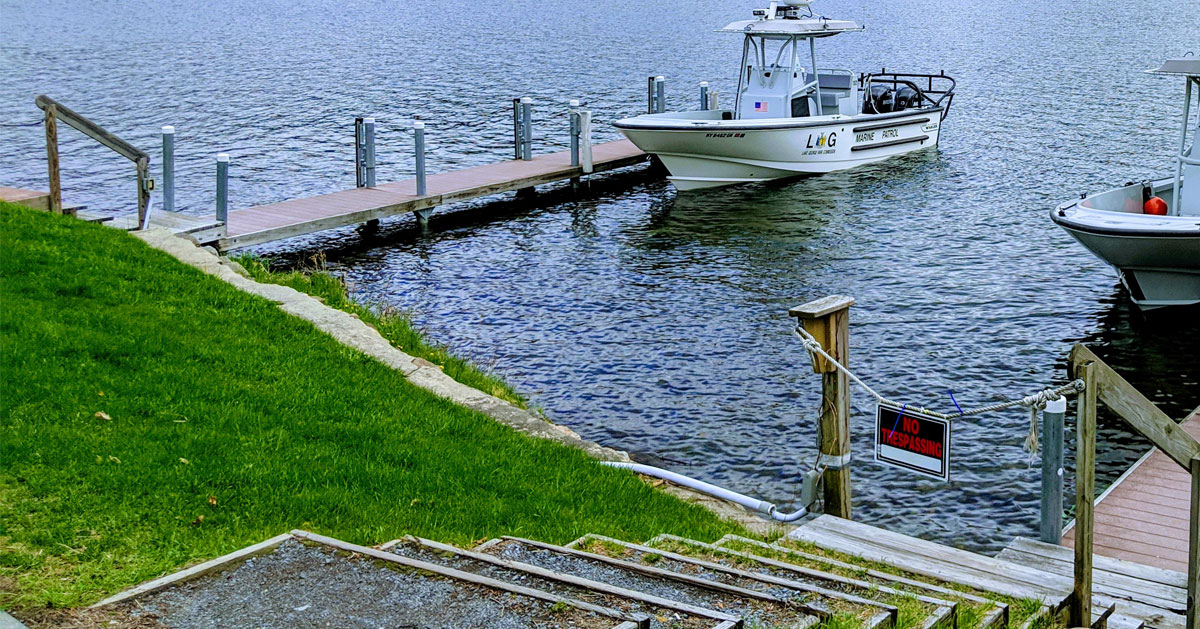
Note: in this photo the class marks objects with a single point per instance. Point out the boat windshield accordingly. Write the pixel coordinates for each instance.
(773, 80)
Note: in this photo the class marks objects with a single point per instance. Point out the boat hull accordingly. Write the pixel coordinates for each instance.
(1156, 257)
(709, 153)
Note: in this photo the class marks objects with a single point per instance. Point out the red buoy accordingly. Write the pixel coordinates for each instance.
(1155, 206)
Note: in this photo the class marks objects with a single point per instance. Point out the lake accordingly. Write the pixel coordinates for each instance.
(654, 321)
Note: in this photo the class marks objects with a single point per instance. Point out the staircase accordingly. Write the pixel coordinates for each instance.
(829, 573)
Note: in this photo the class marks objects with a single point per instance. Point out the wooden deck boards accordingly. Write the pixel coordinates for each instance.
(1144, 517)
(32, 198)
(275, 221)
(1154, 596)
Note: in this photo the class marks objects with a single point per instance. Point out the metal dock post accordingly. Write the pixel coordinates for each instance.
(526, 128)
(573, 116)
(1052, 470)
(516, 128)
(660, 94)
(703, 95)
(222, 187)
(419, 139)
(369, 151)
(168, 168)
(360, 154)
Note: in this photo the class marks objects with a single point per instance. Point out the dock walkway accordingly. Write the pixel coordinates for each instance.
(276, 221)
(1143, 517)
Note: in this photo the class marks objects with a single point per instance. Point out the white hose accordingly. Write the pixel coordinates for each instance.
(753, 504)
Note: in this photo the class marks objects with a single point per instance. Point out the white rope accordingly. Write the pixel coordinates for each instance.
(1033, 401)
(813, 345)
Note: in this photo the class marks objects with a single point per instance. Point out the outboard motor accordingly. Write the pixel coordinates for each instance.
(906, 98)
(881, 99)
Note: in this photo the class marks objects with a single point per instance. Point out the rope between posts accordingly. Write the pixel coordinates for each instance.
(1035, 401)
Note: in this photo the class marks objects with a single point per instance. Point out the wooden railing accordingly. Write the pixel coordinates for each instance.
(1103, 385)
(56, 111)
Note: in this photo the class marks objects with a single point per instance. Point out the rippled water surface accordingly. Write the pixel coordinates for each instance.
(654, 321)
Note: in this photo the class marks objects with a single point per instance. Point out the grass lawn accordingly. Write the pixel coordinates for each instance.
(152, 416)
(394, 325)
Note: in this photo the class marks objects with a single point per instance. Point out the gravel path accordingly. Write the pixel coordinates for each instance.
(310, 586)
(660, 617)
(754, 611)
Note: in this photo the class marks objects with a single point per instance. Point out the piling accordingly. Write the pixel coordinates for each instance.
(527, 128)
(223, 187)
(828, 321)
(1052, 471)
(573, 116)
(650, 108)
(517, 134)
(369, 139)
(585, 141)
(704, 95)
(168, 168)
(1080, 609)
(419, 139)
(660, 91)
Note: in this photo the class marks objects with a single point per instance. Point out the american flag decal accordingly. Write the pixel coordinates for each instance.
(760, 106)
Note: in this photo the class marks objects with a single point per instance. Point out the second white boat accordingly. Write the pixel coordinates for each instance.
(791, 120)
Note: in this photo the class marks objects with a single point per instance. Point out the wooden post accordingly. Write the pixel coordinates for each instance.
(143, 191)
(827, 320)
(1085, 486)
(1193, 578)
(52, 159)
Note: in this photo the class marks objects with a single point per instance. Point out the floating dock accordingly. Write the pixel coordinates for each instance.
(1143, 517)
(277, 221)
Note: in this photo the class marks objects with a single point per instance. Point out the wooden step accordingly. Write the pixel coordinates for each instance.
(318, 572)
(661, 611)
(974, 611)
(1151, 595)
(915, 611)
(756, 608)
(932, 560)
(867, 613)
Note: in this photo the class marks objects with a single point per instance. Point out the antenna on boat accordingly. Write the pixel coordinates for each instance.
(786, 9)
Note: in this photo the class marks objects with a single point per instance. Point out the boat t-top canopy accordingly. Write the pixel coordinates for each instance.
(787, 19)
(1183, 66)
(808, 27)
(1185, 202)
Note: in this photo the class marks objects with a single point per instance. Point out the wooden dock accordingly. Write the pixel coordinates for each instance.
(35, 199)
(1143, 517)
(276, 221)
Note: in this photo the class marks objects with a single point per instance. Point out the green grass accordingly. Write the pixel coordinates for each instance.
(1019, 609)
(393, 324)
(152, 416)
(910, 611)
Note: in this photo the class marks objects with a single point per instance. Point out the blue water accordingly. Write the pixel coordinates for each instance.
(649, 320)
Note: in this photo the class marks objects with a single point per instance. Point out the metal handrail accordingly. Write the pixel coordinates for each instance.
(902, 78)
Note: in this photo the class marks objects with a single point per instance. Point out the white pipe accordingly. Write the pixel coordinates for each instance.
(753, 504)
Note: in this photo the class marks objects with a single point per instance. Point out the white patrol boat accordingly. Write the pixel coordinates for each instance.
(1150, 231)
(789, 119)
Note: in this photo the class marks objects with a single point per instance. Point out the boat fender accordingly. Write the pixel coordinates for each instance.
(1155, 206)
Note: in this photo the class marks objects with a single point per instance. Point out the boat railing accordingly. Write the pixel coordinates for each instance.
(938, 89)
